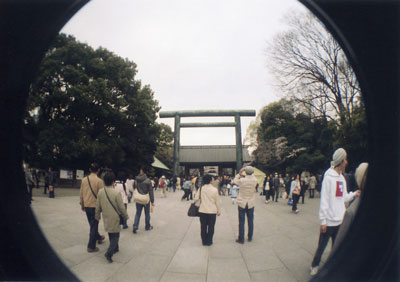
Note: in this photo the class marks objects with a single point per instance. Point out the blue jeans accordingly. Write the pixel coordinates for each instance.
(250, 222)
(139, 208)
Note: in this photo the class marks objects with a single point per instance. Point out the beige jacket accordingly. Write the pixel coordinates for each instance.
(110, 216)
(247, 187)
(87, 199)
(210, 202)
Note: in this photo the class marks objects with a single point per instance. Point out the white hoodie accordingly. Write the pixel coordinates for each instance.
(333, 196)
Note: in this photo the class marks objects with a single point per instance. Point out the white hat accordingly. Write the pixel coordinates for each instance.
(249, 170)
(338, 157)
(360, 173)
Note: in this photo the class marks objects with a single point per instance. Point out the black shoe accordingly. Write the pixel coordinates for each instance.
(150, 228)
(134, 230)
(209, 244)
(108, 257)
(250, 239)
(239, 241)
(116, 251)
(125, 227)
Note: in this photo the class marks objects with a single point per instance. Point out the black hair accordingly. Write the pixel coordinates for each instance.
(94, 167)
(122, 176)
(207, 179)
(109, 178)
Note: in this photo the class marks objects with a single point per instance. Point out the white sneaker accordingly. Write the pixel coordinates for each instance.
(267, 202)
(314, 270)
(297, 211)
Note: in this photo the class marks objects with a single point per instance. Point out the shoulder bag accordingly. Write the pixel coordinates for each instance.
(140, 198)
(121, 217)
(194, 209)
(91, 188)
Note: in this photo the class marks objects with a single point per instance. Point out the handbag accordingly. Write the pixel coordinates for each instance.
(194, 209)
(121, 217)
(140, 198)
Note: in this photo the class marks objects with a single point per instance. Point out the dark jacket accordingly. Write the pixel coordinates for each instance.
(143, 185)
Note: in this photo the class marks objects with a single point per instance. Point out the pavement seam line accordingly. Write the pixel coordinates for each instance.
(172, 257)
(240, 250)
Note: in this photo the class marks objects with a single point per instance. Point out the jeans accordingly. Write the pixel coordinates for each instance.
(312, 193)
(113, 248)
(207, 224)
(331, 232)
(276, 194)
(139, 208)
(250, 222)
(94, 227)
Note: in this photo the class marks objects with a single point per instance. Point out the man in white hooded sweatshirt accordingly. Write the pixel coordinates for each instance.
(332, 204)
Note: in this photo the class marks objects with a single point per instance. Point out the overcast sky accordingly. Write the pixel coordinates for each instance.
(195, 54)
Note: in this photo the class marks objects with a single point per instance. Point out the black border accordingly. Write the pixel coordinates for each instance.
(368, 31)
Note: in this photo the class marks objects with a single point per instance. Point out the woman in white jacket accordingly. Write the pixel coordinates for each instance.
(209, 208)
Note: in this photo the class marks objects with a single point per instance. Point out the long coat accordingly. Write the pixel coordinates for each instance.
(110, 216)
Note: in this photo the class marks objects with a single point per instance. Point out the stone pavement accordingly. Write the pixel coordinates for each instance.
(282, 248)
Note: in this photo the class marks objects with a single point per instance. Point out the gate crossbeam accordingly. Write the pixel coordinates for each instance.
(208, 113)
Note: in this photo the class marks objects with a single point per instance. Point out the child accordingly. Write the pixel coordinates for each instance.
(234, 193)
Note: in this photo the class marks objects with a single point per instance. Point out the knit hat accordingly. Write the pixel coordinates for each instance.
(359, 174)
(249, 170)
(338, 157)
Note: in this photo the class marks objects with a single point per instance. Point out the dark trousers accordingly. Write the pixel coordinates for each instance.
(94, 227)
(139, 208)
(30, 188)
(46, 187)
(207, 224)
(302, 195)
(331, 232)
(250, 221)
(187, 194)
(312, 193)
(276, 194)
(113, 248)
(267, 194)
(295, 201)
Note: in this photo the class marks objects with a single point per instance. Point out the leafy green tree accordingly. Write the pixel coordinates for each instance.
(87, 106)
(165, 151)
(288, 139)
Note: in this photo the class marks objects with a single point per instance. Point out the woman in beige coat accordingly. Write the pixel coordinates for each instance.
(209, 208)
(111, 212)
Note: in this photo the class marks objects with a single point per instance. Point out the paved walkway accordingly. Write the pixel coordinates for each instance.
(281, 250)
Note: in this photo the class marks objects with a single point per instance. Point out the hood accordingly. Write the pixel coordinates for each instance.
(141, 177)
(332, 173)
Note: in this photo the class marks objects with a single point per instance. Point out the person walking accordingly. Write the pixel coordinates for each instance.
(36, 177)
(276, 185)
(110, 204)
(90, 187)
(304, 187)
(143, 186)
(234, 193)
(295, 191)
(209, 208)
(267, 188)
(332, 204)
(163, 186)
(186, 189)
(247, 185)
(29, 182)
(312, 186)
(121, 187)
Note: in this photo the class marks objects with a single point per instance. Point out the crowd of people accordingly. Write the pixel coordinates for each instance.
(107, 197)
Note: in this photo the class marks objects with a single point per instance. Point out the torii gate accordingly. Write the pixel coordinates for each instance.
(208, 113)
